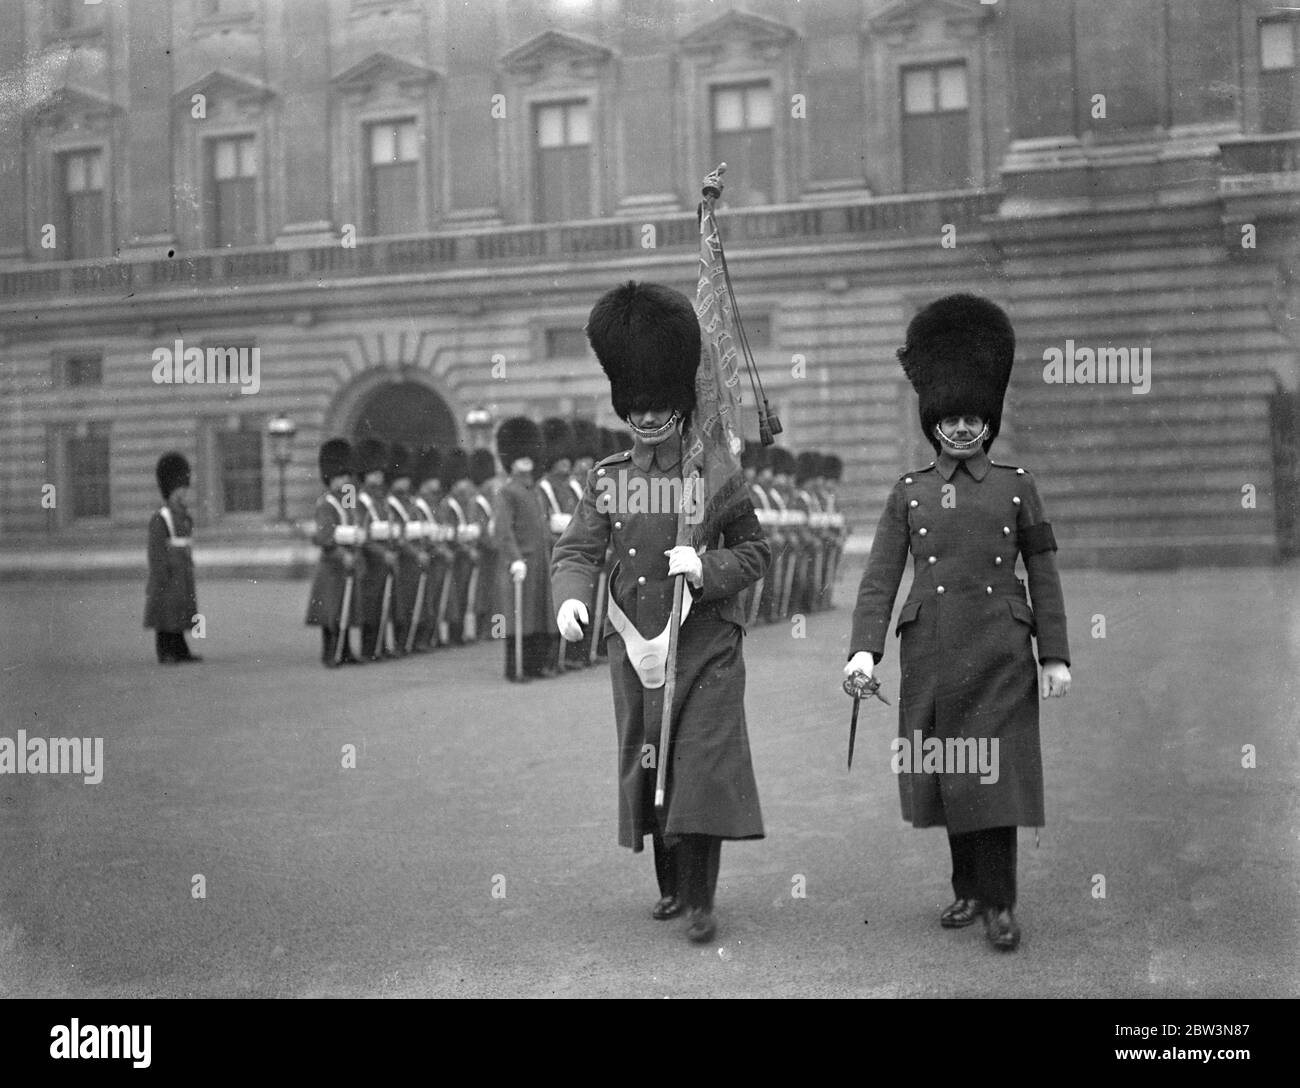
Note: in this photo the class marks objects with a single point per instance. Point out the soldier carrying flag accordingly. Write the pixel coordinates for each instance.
(666, 650)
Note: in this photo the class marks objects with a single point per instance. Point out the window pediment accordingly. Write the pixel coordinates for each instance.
(556, 49)
(739, 29)
(71, 108)
(380, 68)
(900, 20)
(221, 85)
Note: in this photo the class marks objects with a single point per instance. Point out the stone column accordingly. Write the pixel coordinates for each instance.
(150, 222)
(305, 123)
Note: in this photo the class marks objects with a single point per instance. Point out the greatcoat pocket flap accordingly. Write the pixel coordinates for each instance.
(1022, 612)
(911, 609)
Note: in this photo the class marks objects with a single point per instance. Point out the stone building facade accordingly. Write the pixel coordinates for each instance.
(406, 207)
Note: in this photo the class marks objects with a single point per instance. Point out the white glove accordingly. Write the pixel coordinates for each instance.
(861, 662)
(683, 560)
(518, 570)
(572, 613)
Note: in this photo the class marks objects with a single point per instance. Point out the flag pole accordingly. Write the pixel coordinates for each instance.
(711, 191)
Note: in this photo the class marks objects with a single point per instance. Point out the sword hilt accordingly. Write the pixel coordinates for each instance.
(859, 685)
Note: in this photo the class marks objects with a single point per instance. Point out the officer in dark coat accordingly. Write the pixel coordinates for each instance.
(523, 544)
(647, 339)
(170, 599)
(338, 535)
(967, 754)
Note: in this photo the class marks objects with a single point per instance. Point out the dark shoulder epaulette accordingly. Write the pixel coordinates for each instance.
(614, 458)
(1013, 468)
(916, 471)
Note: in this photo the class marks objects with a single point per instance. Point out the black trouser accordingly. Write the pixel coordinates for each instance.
(984, 866)
(170, 645)
(537, 654)
(689, 868)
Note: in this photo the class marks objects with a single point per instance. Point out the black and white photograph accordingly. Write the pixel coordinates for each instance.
(650, 499)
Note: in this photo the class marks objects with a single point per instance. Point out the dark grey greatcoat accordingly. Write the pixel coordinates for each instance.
(325, 602)
(170, 598)
(519, 532)
(966, 660)
(711, 788)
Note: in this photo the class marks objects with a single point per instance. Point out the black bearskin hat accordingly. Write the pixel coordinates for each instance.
(806, 466)
(832, 467)
(647, 339)
(401, 462)
(557, 440)
(519, 437)
(455, 467)
(482, 467)
(586, 439)
(751, 455)
(369, 455)
(958, 357)
(173, 471)
(335, 459)
(427, 463)
(781, 461)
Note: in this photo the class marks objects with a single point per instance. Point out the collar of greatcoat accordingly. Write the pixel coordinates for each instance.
(977, 466)
(668, 454)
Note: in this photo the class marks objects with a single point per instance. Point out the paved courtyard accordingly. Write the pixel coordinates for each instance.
(379, 880)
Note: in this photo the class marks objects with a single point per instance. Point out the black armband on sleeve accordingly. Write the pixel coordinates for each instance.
(1036, 538)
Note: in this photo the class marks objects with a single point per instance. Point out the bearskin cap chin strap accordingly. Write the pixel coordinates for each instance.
(655, 434)
(952, 444)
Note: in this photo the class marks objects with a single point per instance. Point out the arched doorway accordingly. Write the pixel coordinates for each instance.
(407, 412)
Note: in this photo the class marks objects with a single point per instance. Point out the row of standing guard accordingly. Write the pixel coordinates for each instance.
(796, 503)
(408, 554)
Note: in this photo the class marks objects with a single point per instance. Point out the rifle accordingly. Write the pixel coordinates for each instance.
(519, 628)
(344, 614)
(386, 618)
(415, 612)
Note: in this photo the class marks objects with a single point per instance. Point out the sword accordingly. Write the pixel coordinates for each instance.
(858, 685)
(598, 620)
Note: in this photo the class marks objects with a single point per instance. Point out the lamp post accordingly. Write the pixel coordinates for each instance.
(281, 431)
(478, 421)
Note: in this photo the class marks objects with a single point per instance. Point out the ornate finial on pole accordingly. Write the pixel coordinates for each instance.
(713, 182)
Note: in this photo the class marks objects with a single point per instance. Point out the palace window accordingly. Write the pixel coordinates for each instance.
(936, 128)
(74, 15)
(742, 138)
(82, 369)
(233, 188)
(562, 161)
(566, 343)
(83, 204)
(1277, 74)
(393, 191)
(239, 454)
(88, 465)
